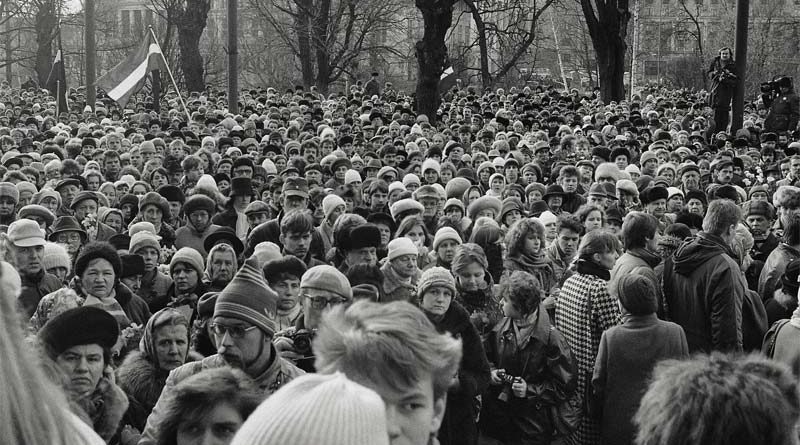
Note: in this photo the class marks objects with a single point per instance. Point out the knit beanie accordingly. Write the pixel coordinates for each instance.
(248, 298)
(142, 226)
(548, 217)
(317, 409)
(436, 276)
(444, 234)
(454, 202)
(351, 176)
(55, 255)
(188, 256)
(143, 239)
(409, 179)
(431, 164)
(9, 189)
(327, 278)
(330, 202)
(401, 246)
(397, 185)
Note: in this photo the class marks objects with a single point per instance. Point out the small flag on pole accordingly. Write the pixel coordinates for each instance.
(129, 76)
(57, 80)
(446, 73)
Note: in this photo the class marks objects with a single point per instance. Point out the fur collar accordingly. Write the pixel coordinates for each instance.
(140, 379)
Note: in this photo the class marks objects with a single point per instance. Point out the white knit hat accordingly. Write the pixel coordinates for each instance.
(330, 202)
(55, 255)
(351, 176)
(401, 246)
(431, 164)
(547, 217)
(411, 178)
(317, 409)
(397, 185)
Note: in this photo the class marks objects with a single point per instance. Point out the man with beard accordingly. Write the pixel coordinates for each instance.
(198, 209)
(243, 326)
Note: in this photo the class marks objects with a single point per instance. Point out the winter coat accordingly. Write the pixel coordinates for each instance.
(188, 236)
(572, 202)
(783, 114)
(774, 268)
(541, 356)
(279, 372)
(559, 262)
(154, 289)
(458, 425)
(539, 267)
(722, 86)
(34, 288)
(103, 409)
(482, 306)
(786, 340)
(628, 353)
(704, 289)
(104, 232)
(394, 289)
(228, 218)
(637, 261)
(584, 311)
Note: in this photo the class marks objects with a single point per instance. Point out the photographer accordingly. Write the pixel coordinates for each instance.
(321, 287)
(532, 367)
(783, 104)
(723, 86)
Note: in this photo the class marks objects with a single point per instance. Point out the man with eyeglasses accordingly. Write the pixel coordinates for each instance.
(243, 327)
(321, 288)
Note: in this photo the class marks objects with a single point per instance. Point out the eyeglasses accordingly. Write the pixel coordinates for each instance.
(322, 302)
(233, 331)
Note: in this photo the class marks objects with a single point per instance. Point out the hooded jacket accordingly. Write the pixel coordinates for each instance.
(704, 291)
(637, 261)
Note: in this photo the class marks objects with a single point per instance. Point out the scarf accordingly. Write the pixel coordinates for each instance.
(586, 267)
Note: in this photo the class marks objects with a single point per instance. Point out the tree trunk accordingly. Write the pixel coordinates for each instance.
(432, 54)
(611, 68)
(190, 30)
(483, 46)
(302, 28)
(46, 22)
(322, 52)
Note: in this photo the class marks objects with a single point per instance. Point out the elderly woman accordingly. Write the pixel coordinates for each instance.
(525, 347)
(221, 265)
(525, 251)
(208, 407)
(96, 283)
(413, 227)
(164, 346)
(79, 342)
(584, 310)
(436, 291)
(400, 272)
(474, 287)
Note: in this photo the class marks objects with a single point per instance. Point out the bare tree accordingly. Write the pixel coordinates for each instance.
(187, 19)
(327, 36)
(607, 22)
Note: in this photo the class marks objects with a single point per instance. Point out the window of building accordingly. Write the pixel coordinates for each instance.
(125, 22)
(137, 22)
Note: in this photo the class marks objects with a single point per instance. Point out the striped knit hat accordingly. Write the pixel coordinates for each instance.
(248, 297)
(318, 409)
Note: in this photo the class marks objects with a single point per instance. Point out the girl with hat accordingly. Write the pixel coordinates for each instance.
(79, 342)
(413, 227)
(436, 294)
(154, 208)
(475, 287)
(240, 197)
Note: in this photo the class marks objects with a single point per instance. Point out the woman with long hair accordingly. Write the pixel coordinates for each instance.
(35, 411)
(584, 310)
(525, 243)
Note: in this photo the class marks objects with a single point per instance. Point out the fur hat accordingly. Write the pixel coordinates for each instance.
(317, 409)
(456, 187)
(95, 250)
(364, 235)
(482, 203)
(405, 205)
(132, 265)
(607, 170)
(436, 276)
(199, 202)
(652, 194)
(9, 189)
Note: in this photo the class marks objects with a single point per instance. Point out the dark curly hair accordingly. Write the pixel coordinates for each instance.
(522, 290)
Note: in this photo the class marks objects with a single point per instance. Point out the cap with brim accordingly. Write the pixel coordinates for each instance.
(67, 224)
(26, 233)
(66, 182)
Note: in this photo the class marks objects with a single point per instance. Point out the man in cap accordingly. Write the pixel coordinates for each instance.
(85, 204)
(294, 196)
(67, 188)
(655, 202)
(26, 248)
(198, 209)
(321, 288)
(243, 326)
(360, 246)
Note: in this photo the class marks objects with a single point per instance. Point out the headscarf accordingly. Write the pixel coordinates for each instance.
(165, 317)
(223, 247)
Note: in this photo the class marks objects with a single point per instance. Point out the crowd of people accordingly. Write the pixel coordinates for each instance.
(526, 267)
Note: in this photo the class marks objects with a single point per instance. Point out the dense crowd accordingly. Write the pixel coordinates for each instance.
(529, 267)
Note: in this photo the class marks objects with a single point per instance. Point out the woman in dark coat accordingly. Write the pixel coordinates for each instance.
(436, 290)
(628, 353)
(536, 362)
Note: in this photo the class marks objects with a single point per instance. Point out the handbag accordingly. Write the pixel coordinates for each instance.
(566, 415)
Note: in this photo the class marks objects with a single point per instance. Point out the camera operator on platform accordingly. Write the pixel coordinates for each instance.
(723, 86)
(321, 288)
(783, 104)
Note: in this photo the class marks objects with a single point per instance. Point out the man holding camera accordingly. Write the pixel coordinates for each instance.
(723, 87)
(321, 287)
(783, 104)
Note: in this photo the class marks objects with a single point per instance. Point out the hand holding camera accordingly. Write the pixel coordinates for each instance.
(515, 386)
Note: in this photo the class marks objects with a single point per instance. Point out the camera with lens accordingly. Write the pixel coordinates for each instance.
(302, 339)
(508, 380)
(774, 85)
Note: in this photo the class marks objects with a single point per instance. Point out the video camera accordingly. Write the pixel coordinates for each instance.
(774, 85)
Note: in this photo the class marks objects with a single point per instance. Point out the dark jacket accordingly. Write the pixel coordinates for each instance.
(227, 218)
(704, 290)
(628, 353)
(784, 113)
(540, 355)
(458, 425)
(723, 82)
(271, 231)
(134, 306)
(34, 288)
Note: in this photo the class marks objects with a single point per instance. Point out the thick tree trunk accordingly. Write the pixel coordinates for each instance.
(432, 54)
(190, 29)
(322, 52)
(302, 28)
(611, 67)
(46, 23)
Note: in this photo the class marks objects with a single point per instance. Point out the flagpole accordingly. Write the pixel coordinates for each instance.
(169, 71)
(58, 96)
